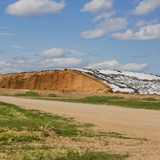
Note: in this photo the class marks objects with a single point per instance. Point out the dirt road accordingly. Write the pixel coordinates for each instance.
(139, 123)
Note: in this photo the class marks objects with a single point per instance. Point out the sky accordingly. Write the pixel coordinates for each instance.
(38, 35)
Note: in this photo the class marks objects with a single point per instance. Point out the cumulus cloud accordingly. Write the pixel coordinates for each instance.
(16, 46)
(145, 7)
(45, 60)
(149, 32)
(58, 53)
(140, 55)
(143, 22)
(35, 8)
(97, 6)
(102, 9)
(114, 65)
(22, 64)
(6, 34)
(105, 27)
(54, 53)
(105, 15)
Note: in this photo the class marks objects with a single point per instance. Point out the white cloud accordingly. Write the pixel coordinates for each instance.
(105, 15)
(145, 7)
(114, 65)
(54, 53)
(6, 34)
(16, 46)
(140, 23)
(22, 64)
(97, 6)
(35, 8)
(149, 32)
(143, 22)
(105, 27)
(141, 55)
(58, 53)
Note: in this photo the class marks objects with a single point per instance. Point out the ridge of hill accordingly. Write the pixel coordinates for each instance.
(57, 80)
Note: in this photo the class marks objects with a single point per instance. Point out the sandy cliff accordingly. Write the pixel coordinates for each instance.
(64, 80)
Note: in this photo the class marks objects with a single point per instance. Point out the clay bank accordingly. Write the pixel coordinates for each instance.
(61, 80)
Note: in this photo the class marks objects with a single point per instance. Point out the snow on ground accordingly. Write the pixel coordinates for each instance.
(127, 82)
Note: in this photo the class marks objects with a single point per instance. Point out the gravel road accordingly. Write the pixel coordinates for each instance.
(138, 123)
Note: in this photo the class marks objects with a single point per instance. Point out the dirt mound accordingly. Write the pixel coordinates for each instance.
(64, 80)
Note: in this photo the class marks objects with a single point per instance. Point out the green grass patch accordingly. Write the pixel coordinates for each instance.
(92, 100)
(136, 104)
(6, 95)
(23, 136)
(16, 124)
(29, 94)
(150, 99)
(52, 95)
(20, 127)
(111, 100)
(14, 118)
(54, 154)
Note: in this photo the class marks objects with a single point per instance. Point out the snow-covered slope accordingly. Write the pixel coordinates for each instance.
(127, 82)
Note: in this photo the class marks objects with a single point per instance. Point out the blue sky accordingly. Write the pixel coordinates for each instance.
(40, 35)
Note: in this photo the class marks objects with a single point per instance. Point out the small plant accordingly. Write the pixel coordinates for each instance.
(29, 94)
(106, 143)
(150, 99)
(52, 95)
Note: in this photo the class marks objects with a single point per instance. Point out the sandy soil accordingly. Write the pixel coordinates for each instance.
(137, 123)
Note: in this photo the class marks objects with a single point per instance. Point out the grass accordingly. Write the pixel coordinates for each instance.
(92, 100)
(14, 117)
(150, 99)
(20, 129)
(29, 94)
(136, 104)
(52, 95)
(69, 154)
(111, 100)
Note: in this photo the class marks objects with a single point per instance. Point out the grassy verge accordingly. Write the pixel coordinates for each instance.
(150, 99)
(52, 95)
(92, 100)
(135, 104)
(23, 134)
(29, 94)
(111, 100)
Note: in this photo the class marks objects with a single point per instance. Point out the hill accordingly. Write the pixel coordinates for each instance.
(58, 80)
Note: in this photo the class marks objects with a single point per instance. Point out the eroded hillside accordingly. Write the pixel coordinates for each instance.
(63, 80)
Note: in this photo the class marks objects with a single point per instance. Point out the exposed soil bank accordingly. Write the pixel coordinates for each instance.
(64, 80)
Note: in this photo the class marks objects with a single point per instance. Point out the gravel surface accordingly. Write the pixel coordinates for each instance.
(138, 123)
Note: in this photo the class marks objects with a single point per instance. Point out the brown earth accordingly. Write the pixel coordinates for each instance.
(64, 80)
